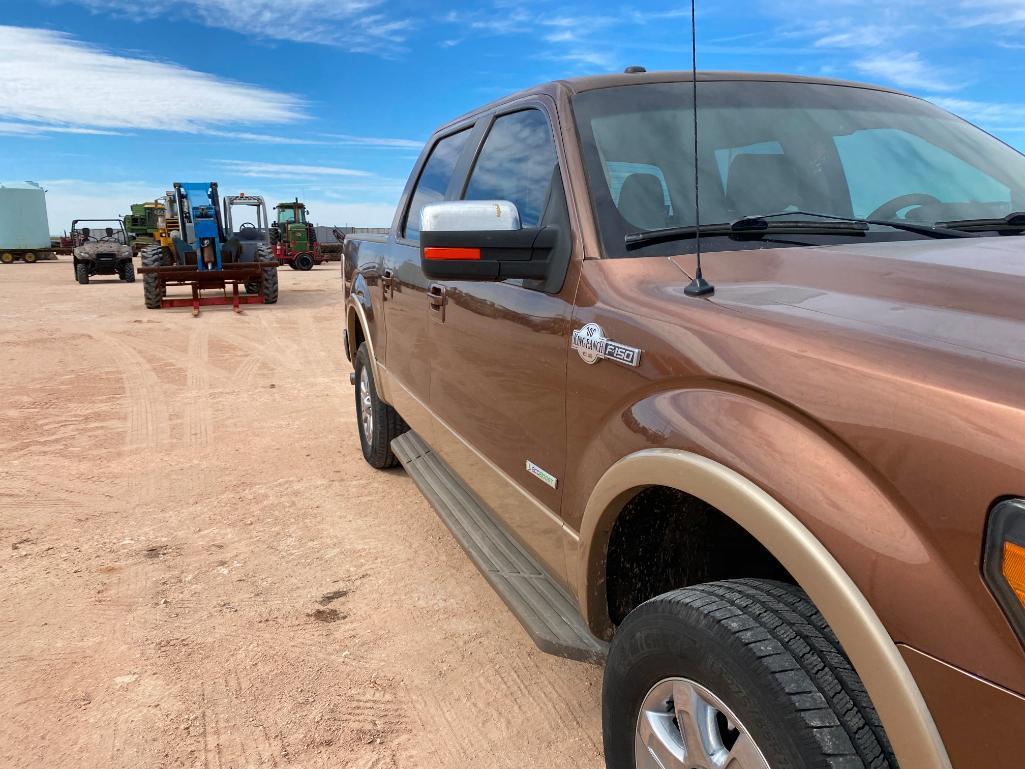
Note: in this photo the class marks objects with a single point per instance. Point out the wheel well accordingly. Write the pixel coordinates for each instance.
(356, 337)
(665, 539)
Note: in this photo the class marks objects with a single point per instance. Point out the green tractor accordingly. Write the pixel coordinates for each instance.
(293, 239)
(143, 223)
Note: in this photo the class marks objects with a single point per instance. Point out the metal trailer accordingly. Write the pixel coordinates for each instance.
(24, 228)
(202, 256)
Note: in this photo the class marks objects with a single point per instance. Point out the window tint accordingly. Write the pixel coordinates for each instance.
(434, 181)
(884, 163)
(516, 164)
(618, 172)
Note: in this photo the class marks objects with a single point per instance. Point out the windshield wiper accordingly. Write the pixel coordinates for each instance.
(773, 224)
(748, 227)
(1012, 223)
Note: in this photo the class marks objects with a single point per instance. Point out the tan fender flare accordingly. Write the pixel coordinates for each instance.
(356, 315)
(902, 709)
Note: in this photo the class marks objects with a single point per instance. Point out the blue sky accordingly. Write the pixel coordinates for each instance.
(106, 102)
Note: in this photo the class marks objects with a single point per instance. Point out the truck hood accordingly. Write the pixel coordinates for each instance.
(967, 294)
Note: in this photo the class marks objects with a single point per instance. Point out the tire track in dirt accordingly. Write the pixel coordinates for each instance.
(148, 420)
(198, 411)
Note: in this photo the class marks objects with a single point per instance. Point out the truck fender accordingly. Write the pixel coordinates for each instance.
(359, 315)
(774, 448)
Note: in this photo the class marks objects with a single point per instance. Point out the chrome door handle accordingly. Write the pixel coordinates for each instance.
(436, 296)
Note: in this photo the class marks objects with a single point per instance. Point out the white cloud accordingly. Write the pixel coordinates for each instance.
(68, 199)
(908, 70)
(51, 79)
(354, 25)
(991, 116)
(375, 141)
(977, 13)
(286, 170)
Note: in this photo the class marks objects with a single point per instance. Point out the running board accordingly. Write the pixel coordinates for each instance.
(546, 611)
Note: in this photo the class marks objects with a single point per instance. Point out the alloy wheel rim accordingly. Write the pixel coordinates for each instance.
(683, 725)
(366, 405)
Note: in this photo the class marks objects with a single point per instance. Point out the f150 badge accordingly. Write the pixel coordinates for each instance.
(592, 345)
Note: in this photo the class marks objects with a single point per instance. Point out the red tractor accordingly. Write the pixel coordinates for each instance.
(293, 239)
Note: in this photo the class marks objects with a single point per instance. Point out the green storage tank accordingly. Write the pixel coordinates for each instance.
(23, 222)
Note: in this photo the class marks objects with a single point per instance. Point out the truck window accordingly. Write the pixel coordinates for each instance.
(516, 164)
(883, 163)
(434, 180)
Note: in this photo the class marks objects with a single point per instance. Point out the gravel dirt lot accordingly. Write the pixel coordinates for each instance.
(199, 570)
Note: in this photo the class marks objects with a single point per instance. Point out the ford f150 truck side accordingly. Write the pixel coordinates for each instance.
(785, 509)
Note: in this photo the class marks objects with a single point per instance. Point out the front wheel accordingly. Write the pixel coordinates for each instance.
(304, 262)
(82, 273)
(744, 674)
(378, 423)
(128, 272)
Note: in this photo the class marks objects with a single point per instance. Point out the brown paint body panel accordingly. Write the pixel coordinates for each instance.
(980, 723)
(875, 390)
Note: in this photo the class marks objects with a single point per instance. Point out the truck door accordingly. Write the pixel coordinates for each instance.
(498, 367)
(403, 285)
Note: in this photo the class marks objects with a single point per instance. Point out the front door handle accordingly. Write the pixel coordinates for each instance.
(436, 296)
(387, 284)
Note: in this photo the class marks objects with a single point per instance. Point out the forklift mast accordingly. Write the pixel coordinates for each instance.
(200, 225)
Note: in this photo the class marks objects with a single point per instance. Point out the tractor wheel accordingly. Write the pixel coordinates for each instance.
(275, 234)
(270, 284)
(7, 257)
(128, 272)
(153, 286)
(263, 254)
(304, 262)
(82, 273)
(30, 257)
(291, 264)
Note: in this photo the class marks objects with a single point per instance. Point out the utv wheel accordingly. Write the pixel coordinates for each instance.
(743, 674)
(128, 272)
(82, 273)
(7, 257)
(30, 257)
(378, 423)
(304, 262)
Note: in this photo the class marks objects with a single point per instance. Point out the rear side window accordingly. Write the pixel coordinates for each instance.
(434, 181)
(516, 164)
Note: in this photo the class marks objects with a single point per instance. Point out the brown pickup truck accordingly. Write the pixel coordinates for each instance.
(784, 509)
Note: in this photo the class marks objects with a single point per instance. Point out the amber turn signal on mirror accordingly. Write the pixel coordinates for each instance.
(1004, 560)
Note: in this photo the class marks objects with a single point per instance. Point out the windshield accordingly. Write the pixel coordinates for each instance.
(286, 215)
(97, 232)
(769, 147)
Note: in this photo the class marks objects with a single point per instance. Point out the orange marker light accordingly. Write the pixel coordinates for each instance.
(452, 254)
(1013, 569)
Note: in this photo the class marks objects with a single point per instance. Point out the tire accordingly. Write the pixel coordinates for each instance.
(153, 288)
(30, 257)
(274, 234)
(304, 262)
(760, 648)
(291, 264)
(384, 423)
(128, 272)
(7, 257)
(82, 273)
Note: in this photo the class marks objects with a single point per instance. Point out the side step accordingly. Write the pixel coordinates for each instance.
(544, 609)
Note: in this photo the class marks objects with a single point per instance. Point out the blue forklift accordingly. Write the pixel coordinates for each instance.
(201, 254)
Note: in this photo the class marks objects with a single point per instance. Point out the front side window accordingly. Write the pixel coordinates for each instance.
(517, 164)
(777, 147)
(433, 183)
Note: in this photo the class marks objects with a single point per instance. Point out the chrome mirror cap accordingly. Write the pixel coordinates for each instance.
(469, 216)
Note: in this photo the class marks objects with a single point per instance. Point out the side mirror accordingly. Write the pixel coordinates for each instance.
(481, 240)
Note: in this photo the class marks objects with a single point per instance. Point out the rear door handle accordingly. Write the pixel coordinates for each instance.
(436, 295)
(388, 284)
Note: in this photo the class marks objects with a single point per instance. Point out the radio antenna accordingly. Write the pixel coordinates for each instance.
(698, 286)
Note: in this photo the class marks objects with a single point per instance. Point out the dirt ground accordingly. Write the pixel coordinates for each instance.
(197, 569)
